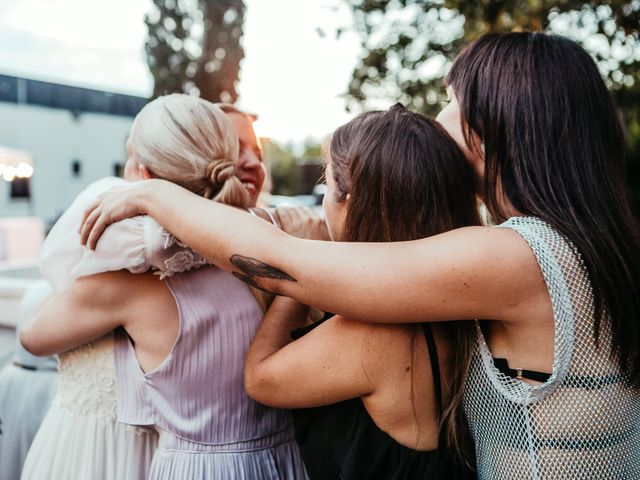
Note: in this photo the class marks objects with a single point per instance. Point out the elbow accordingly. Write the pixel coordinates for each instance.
(260, 386)
(30, 342)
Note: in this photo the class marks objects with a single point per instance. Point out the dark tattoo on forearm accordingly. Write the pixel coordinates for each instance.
(255, 268)
(249, 281)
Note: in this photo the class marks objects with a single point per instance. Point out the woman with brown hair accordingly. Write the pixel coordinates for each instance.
(553, 389)
(381, 389)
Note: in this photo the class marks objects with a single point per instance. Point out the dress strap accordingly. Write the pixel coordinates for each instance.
(435, 364)
(253, 211)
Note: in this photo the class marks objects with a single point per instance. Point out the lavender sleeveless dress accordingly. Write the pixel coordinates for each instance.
(208, 427)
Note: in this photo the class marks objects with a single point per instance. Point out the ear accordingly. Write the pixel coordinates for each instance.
(145, 172)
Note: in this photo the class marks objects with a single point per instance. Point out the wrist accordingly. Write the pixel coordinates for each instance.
(145, 198)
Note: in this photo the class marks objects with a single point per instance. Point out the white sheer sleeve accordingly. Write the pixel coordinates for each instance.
(63, 259)
(135, 244)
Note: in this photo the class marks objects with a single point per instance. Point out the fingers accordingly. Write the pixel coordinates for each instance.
(311, 213)
(288, 223)
(302, 222)
(88, 224)
(92, 206)
(97, 218)
(93, 227)
(100, 224)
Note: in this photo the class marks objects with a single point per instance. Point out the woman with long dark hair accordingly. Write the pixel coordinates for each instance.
(380, 390)
(552, 390)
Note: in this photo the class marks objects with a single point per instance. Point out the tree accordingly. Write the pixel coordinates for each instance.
(193, 46)
(284, 169)
(408, 46)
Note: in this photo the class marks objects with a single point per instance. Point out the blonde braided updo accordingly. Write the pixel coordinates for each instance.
(191, 142)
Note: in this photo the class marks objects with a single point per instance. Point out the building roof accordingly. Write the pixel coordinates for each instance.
(76, 99)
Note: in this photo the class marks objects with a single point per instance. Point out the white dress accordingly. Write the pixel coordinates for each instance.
(80, 437)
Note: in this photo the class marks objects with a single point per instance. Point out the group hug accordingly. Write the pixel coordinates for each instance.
(404, 336)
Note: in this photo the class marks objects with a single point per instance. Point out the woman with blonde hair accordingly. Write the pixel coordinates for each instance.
(175, 361)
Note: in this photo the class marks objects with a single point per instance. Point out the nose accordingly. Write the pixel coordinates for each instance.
(249, 160)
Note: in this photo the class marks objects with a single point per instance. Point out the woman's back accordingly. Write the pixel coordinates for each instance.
(584, 421)
(394, 432)
(196, 397)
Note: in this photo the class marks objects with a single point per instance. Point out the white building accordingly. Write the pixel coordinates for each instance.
(72, 136)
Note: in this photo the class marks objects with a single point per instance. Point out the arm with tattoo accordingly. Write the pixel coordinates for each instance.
(467, 273)
(250, 268)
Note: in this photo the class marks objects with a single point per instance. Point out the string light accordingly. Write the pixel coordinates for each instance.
(24, 170)
(10, 172)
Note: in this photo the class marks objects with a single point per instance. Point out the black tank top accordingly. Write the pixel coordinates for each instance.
(341, 441)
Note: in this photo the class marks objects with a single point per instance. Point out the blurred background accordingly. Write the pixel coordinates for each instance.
(74, 73)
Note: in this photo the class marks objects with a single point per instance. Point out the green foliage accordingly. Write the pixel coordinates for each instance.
(194, 45)
(408, 46)
(285, 174)
(311, 151)
(294, 171)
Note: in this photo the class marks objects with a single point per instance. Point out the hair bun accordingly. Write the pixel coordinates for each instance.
(216, 175)
(219, 171)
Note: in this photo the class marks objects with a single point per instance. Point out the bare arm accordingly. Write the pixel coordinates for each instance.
(323, 367)
(79, 315)
(468, 273)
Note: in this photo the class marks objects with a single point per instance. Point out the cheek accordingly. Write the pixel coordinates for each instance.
(328, 215)
(449, 118)
(333, 217)
(324, 206)
(128, 171)
(262, 175)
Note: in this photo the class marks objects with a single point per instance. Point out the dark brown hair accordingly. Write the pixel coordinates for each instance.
(408, 179)
(555, 148)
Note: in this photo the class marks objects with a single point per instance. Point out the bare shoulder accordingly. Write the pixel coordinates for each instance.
(490, 272)
(504, 248)
(489, 241)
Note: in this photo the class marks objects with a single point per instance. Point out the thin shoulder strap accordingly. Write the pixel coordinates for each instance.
(435, 365)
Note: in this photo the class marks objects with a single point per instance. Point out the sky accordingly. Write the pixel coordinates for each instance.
(292, 75)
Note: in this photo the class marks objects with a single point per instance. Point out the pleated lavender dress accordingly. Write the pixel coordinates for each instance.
(208, 427)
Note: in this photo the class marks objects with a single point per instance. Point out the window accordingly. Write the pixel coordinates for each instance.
(21, 188)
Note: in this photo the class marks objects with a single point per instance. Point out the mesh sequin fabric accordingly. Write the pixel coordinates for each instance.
(584, 422)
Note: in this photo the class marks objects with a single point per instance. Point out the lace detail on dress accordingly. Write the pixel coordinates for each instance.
(182, 260)
(88, 379)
